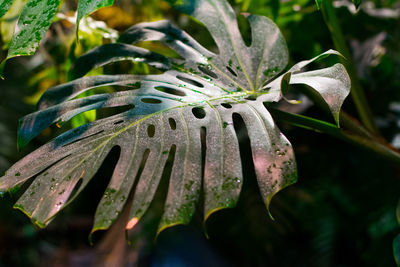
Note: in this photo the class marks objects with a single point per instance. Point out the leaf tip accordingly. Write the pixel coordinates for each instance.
(2, 67)
(34, 221)
(166, 226)
(95, 229)
(268, 202)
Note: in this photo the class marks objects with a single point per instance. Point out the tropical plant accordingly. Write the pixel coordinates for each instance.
(187, 113)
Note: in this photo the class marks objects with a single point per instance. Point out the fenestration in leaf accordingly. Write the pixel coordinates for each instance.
(168, 112)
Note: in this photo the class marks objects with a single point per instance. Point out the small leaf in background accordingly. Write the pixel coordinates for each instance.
(33, 23)
(4, 6)
(357, 3)
(396, 249)
(9, 20)
(319, 3)
(275, 6)
(87, 7)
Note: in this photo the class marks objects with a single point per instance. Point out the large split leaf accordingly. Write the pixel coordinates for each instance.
(203, 92)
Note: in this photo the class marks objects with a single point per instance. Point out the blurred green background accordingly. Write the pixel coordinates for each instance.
(341, 212)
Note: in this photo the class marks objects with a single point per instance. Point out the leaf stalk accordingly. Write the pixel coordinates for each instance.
(353, 132)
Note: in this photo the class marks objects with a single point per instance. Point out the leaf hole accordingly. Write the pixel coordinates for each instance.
(75, 190)
(170, 90)
(240, 127)
(231, 71)
(190, 81)
(172, 123)
(151, 130)
(204, 37)
(146, 154)
(226, 105)
(199, 113)
(149, 100)
(245, 30)
(96, 187)
(251, 98)
(118, 122)
(203, 134)
(208, 72)
(110, 111)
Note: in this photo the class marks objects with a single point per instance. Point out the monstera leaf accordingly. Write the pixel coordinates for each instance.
(201, 92)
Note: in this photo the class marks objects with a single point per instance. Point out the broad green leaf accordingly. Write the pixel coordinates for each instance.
(4, 6)
(204, 93)
(9, 21)
(33, 23)
(85, 7)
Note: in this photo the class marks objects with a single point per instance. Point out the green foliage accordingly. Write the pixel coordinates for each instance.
(357, 3)
(164, 116)
(34, 21)
(396, 249)
(4, 6)
(87, 7)
(32, 24)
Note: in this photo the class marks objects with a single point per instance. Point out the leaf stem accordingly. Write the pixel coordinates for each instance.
(357, 92)
(356, 134)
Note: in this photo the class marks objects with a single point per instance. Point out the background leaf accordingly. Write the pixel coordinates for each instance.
(9, 21)
(87, 7)
(4, 6)
(33, 23)
(396, 249)
(357, 3)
